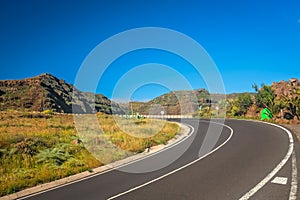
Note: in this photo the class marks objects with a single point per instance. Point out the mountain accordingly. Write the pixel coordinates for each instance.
(45, 92)
(174, 103)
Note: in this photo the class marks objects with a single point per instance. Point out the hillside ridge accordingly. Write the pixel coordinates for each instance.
(47, 92)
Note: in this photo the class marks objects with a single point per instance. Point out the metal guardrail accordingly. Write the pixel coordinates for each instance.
(158, 116)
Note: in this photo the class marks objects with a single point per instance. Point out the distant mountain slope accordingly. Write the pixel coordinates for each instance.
(174, 103)
(48, 92)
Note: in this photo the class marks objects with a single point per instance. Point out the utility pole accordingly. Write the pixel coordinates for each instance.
(131, 101)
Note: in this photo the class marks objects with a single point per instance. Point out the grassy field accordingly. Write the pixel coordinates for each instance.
(36, 148)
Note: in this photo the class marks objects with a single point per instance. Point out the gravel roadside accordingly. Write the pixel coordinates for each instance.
(295, 128)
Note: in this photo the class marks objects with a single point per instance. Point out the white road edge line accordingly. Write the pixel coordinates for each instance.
(178, 169)
(113, 167)
(157, 152)
(294, 182)
(276, 169)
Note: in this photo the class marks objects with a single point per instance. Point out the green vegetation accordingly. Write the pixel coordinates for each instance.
(266, 96)
(282, 99)
(292, 105)
(283, 103)
(40, 147)
(277, 103)
(241, 104)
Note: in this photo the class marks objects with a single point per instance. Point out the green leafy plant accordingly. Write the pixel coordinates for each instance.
(54, 156)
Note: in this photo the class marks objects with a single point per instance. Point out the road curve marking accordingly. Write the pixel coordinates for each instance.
(280, 180)
(159, 151)
(178, 169)
(276, 169)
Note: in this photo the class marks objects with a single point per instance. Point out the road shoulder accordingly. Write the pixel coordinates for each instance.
(295, 129)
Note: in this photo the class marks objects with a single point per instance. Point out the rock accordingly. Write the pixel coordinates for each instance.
(295, 120)
(286, 89)
(285, 121)
(294, 82)
(76, 141)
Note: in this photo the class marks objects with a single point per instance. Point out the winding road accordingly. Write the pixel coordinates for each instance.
(251, 160)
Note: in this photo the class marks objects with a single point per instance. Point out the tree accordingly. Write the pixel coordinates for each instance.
(242, 104)
(255, 87)
(245, 101)
(266, 97)
(292, 105)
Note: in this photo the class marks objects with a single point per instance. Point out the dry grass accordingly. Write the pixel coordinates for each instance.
(37, 148)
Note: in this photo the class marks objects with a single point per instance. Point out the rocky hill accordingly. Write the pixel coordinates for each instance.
(174, 103)
(284, 101)
(45, 92)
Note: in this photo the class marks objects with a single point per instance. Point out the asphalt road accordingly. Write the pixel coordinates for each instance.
(243, 159)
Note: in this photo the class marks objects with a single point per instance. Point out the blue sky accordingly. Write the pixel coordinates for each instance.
(250, 41)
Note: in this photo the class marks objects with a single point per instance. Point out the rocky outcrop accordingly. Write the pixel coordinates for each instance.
(288, 93)
(45, 92)
(288, 89)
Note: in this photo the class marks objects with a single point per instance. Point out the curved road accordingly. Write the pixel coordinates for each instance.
(245, 157)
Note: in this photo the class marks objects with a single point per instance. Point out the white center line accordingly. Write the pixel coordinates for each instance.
(176, 170)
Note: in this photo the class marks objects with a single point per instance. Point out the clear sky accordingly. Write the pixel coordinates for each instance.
(251, 41)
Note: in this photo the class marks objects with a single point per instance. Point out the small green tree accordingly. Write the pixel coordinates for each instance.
(245, 101)
(235, 111)
(292, 105)
(241, 104)
(266, 96)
